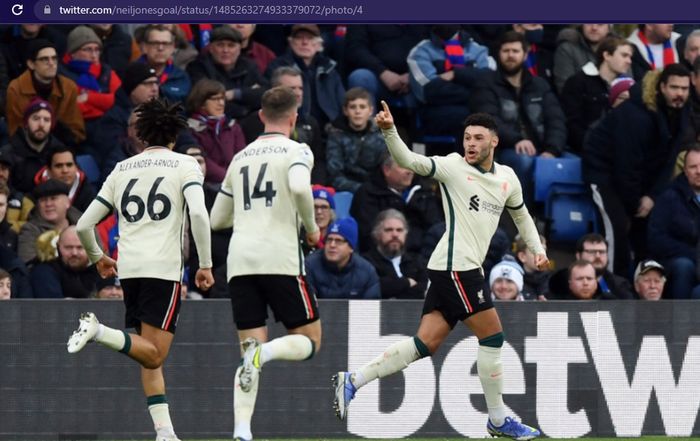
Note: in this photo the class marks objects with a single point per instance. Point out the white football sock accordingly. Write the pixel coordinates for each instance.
(293, 347)
(395, 358)
(243, 407)
(160, 414)
(111, 338)
(490, 369)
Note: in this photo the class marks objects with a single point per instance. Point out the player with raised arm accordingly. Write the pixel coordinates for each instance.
(475, 191)
(266, 197)
(150, 192)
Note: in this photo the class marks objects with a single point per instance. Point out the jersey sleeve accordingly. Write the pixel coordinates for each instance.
(192, 173)
(303, 156)
(106, 194)
(515, 197)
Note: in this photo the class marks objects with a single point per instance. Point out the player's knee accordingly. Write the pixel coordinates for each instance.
(154, 360)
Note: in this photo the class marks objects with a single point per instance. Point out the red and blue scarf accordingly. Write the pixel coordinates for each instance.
(669, 55)
(454, 54)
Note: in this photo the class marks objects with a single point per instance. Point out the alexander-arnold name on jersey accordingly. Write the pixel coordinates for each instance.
(149, 162)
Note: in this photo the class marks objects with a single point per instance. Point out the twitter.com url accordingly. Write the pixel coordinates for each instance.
(213, 10)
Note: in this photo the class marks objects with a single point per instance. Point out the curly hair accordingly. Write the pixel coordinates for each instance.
(159, 122)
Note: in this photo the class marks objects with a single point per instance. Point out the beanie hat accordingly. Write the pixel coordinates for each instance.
(325, 193)
(37, 45)
(618, 86)
(80, 36)
(35, 105)
(507, 269)
(347, 228)
(136, 73)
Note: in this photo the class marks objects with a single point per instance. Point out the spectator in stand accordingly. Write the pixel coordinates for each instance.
(323, 85)
(691, 49)
(355, 146)
(219, 137)
(70, 275)
(5, 285)
(535, 281)
(158, 47)
(506, 281)
(443, 71)
(184, 52)
(649, 280)
(8, 237)
(585, 95)
(402, 274)
(576, 48)
(539, 60)
(530, 120)
(41, 79)
(582, 282)
(61, 165)
(52, 212)
(324, 214)
(32, 143)
(655, 47)
(674, 229)
(629, 157)
(336, 271)
(375, 56)
(118, 47)
(392, 186)
(239, 75)
(109, 289)
(18, 205)
(17, 39)
(307, 130)
(256, 52)
(97, 83)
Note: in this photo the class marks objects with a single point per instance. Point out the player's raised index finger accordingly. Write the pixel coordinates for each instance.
(385, 106)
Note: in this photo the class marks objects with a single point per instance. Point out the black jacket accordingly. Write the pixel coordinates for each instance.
(391, 285)
(422, 210)
(584, 100)
(28, 161)
(535, 105)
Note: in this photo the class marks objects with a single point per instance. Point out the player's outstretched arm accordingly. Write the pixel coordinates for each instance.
(398, 149)
(199, 223)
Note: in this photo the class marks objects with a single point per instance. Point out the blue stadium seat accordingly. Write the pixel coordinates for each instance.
(88, 164)
(548, 171)
(570, 213)
(343, 200)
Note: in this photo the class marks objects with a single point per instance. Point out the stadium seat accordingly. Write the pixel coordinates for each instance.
(343, 200)
(570, 213)
(88, 165)
(548, 171)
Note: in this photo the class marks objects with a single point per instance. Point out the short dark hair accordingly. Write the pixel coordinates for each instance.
(357, 93)
(482, 119)
(513, 37)
(282, 71)
(609, 45)
(278, 102)
(592, 238)
(579, 263)
(159, 122)
(675, 69)
(5, 275)
(56, 150)
(201, 92)
(694, 147)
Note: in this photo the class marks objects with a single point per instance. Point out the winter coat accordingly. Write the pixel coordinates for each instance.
(33, 228)
(418, 203)
(572, 53)
(674, 223)
(21, 288)
(382, 47)
(391, 285)
(28, 161)
(63, 98)
(54, 280)
(8, 236)
(174, 82)
(323, 86)
(219, 149)
(426, 62)
(117, 49)
(98, 101)
(244, 78)
(352, 156)
(535, 105)
(632, 149)
(584, 101)
(358, 280)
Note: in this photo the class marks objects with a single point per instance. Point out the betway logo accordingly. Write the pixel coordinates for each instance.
(551, 350)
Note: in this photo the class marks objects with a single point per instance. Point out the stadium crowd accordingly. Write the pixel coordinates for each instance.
(624, 99)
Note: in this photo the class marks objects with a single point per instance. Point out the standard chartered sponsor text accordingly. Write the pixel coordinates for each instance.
(215, 9)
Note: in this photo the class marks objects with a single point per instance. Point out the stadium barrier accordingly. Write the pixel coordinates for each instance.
(572, 369)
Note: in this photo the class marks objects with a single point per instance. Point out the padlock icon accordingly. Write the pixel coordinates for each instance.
(47, 10)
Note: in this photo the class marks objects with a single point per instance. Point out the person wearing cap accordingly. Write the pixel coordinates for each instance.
(402, 274)
(97, 82)
(506, 281)
(61, 165)
(323, 86)
(336, 271)
(239, 75)
(257, 52)
(31, 143)
(674, 229)
(41, 79)
(109, 289)
(52, 212)
(158, 47)
(649, 280)
(69, 274)
(589, 94)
